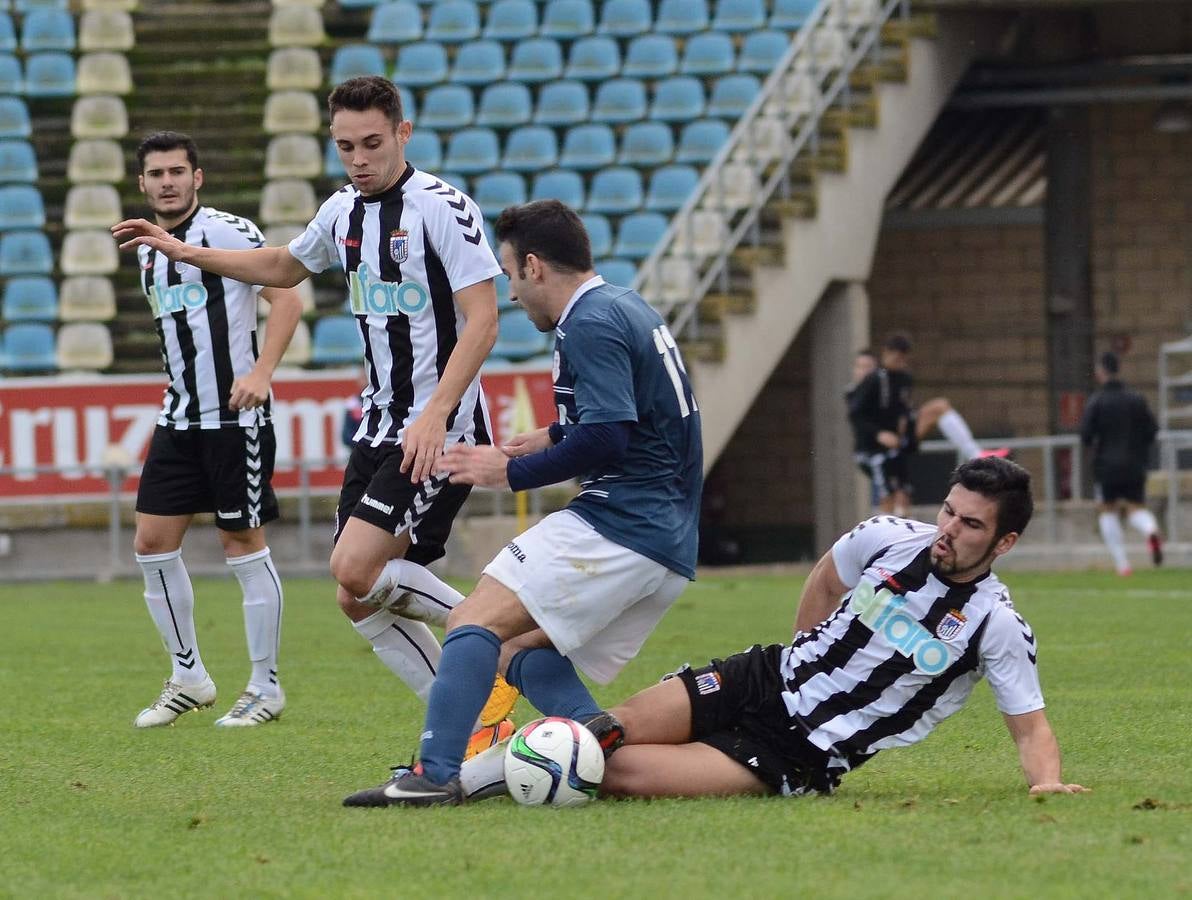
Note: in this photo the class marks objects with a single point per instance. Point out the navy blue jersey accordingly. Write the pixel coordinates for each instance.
(615, 361)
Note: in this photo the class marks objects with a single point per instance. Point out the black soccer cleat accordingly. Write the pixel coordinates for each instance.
(409, 787)
(608, 731)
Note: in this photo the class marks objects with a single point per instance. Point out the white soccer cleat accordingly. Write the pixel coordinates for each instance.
(175, 700)
(252, 708)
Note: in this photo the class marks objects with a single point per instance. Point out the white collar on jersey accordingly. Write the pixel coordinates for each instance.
(594, 282)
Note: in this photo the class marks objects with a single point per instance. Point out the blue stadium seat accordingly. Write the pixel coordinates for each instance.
(587, 147)
(625, 18)
(455, 179)
(479, 62)
(567, 19)
(511, 20)
(50, 74)
(496, 190)
(48, 29)
(453, 22)
(447, 106)
(600, 234)
(670, 187)
(409, 108)
(472, 150)
(620, 100)
(620, 272)
(27, 5)
(681, 17)
(678, 99)
(536, 60)
(790, 15)
(425, 150)
(25, 253)
(762, 50)
(505, 104)
(616, 191)
(357, 4)
(336, 341)
(736, 16)
(559, 184)
(29, 347)
(651, 56)
(531, 149)
(420, 64)
(396, 22)
(21, 207)
(332, 167)
(701, 140)
(352, 60)
(594, 59)
(562, 103)
(18, 162)
(14, 118)
(646, 144)
(501, 282)
(29, 298)
(518, 338)
(638, 234)
(11, 79)
(732, 95)
(710, 53)
(8, 34)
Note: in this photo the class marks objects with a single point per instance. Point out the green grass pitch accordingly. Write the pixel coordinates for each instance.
(90, 807)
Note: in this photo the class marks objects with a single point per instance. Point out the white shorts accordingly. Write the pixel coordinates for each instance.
(596, 600)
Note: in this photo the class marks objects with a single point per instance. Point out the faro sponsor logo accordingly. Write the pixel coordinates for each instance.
(165, 299)
(369, 295)
(881, 611)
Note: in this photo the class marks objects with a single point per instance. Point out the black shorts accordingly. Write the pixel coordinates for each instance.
(888, 473)
(1132, 490)
(737, 708)
(221, 470)
(377, 491)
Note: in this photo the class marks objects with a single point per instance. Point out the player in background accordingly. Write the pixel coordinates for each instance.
(896, 625)
(585, 586)
(1120, 428)
(213, 448)
(887, 429)
(420, 282)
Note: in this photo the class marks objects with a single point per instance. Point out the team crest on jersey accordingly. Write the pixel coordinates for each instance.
(399, 245)
(950, 625)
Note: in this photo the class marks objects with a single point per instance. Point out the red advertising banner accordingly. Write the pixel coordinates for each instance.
(83, 425)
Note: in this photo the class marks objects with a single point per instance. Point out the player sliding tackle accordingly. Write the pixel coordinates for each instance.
(896, 625)
(420, 280)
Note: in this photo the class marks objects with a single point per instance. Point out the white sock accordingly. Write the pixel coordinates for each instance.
(955, 429)
(1142, 520)
(484, 769)
(262, 617)
(1111, 533)
(408, 648)
(414, 592)
(171, 602)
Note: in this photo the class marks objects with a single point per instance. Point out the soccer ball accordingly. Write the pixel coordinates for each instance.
(553, 762)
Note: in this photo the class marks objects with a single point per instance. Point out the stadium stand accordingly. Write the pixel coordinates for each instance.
(473, 150)
(8, 34)
(479, 62)
(14, 118)
(678, 99)
(638, 233)
(518, 338)
(708, 53)
(106, 29)
(95, 160)
(27, 348)
(732, 96)
(536, 60)
(531, 149)
(739, 16)
(669, 188)
(84, 346)
(21, 206)
(559, 184)
(89, 252)
(651, 56)
(617, 271)
(506, 104)
(12, 79)
(99, 116)
(496, 190)
(453, 22)
(447, 106)
(761, 51)
(335, 341)
(18, 163)
(291, 111)
(790, 15)
(620, 100)
(398, 22)
(699, 141)
(50, 74)
(293, 156)
(567, 19)
(600, 233)
(646, 144)
(562, 103)
(352, 60)
(87, 298)
(681, 17)
(104, 73)
(288, 200)
(25, 253)
(616, 191)
(296, 26)
(425, 150)
(588, 147)
(625, 18)
(29, 298)
(593, 58)
(294, 68)
(420, 64)
(511, 20)
(48, 29)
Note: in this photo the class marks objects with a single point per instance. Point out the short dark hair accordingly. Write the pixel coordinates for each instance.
(898, 342)
(1004, 481)
(365, 93)
(164, 141)
(550, 230)
(1110, 363)
(865, 351)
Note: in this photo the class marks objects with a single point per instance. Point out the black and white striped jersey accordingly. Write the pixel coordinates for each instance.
(207, 324)
(904, 649)
(405, 253)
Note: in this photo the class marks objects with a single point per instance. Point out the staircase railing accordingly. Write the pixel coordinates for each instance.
(685, 266)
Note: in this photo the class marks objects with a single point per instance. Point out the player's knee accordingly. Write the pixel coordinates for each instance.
(149, 544)
(349, 574)
(621, 777)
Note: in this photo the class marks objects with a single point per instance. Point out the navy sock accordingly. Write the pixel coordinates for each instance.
(462, 685)
(550, 682)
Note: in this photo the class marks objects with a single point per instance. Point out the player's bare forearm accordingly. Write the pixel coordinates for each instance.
(821, 594)
(1039, 753)
(270, 266)
(423, 441)
(285, 309)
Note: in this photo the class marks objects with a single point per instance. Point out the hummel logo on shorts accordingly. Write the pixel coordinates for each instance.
(386, 508)
(230, 515)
